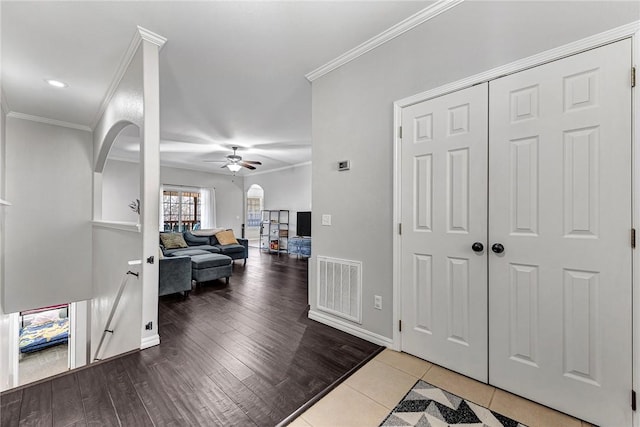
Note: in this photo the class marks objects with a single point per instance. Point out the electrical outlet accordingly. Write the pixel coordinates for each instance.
(377, 302)
(149, 326)
(326, 219)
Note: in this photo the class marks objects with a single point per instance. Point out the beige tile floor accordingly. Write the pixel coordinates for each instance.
(366, 397)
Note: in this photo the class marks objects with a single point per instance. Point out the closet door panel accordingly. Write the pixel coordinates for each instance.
(444, 207)
(560, 204)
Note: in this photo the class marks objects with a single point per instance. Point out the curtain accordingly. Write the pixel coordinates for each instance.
(208, 206)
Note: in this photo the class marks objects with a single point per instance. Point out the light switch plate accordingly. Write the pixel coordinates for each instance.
(377, 302)
(326, 219)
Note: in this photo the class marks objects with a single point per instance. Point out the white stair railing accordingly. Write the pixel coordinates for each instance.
(114, 307)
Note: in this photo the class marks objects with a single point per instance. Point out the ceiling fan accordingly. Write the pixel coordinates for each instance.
(234, 162)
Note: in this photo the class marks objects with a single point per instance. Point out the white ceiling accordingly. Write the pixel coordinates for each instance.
(231, 72)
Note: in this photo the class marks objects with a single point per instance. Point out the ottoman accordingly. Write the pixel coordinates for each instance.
(205, 267)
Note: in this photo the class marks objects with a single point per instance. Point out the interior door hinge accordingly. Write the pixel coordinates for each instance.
(633, 238)
(400, 228)
(633, 400)
(400, 325)
(400, 132)
(633, 76)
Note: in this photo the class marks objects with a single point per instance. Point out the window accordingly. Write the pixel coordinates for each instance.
(255, 204)
(254, 208)
(181, 210)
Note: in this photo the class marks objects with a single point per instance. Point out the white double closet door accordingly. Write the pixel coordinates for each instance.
(516, 256)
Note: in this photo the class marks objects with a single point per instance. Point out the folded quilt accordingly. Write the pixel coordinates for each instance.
(41, 335)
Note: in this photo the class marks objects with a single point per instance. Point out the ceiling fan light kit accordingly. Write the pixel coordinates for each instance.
(234, 162)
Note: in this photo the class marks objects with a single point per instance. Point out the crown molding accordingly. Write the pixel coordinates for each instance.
(151, 37)
(48, 121)
(400, 28)
(139, 35)
(297, 165)
(572, 48)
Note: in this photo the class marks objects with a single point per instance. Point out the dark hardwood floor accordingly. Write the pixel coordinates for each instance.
(241, 354)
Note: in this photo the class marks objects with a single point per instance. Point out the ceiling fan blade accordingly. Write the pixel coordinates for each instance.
(224, 166)
(246, 165)
(252, 162)
(214, 161)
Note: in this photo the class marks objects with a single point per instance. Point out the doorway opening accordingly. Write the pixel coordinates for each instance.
(255, 204)
(43, 343)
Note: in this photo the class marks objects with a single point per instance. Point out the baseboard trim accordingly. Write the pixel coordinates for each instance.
(350, 329)
(150, 341)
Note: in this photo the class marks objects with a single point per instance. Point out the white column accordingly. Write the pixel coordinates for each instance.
(150, 186)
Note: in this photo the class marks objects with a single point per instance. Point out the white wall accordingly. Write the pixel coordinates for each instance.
(120, 187)
(228, 189)
(288, 189)
(48, 228)
(125, 107)
(112, 249)
(352, 118)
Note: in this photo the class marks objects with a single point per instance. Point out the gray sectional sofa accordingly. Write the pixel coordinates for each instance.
(175, 275)
(204, 259)
(209, 244)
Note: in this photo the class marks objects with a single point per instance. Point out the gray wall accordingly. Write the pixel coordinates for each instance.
(120, 187)
(121, 184)
(229, 196)
(288, 189)
(352, 118)
(48, 228)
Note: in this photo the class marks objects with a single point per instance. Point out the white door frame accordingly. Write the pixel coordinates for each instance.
(629, 30)
(13, 352)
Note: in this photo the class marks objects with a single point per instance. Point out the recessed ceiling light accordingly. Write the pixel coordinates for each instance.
(56, 83)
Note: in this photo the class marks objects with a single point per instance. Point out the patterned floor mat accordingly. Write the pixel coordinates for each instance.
(429, 406)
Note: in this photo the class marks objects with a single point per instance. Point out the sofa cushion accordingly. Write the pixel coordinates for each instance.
(208, 248)
(172, 240)
(185, 252)
(209, 261)
(193, 240)
(231, 249)
(206, 231)
(226, 238)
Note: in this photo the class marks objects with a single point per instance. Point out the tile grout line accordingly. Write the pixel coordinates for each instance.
(493, 393)
(417, 378)
(368, 397)
(401, 370)
(392, 367)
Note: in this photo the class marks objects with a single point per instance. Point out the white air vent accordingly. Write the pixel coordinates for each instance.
(340, 287)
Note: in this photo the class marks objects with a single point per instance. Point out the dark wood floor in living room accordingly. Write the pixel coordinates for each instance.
(240, 354)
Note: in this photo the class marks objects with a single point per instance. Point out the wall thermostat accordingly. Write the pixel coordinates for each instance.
(344, 165)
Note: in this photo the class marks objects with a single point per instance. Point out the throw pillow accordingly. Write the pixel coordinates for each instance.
(226, 238)
(173, 240)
